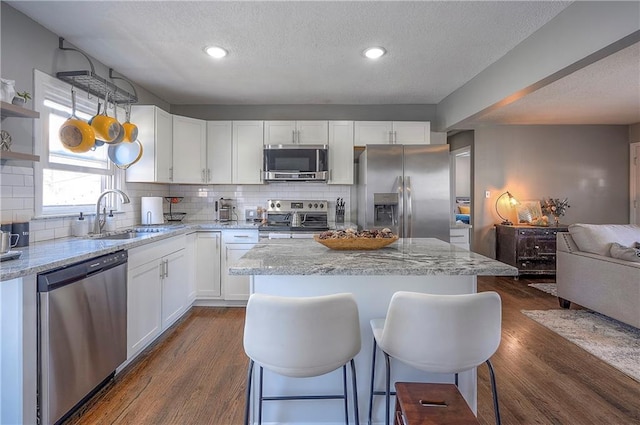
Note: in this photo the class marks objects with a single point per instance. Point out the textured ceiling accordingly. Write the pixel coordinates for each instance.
(295, 52)
(607, 91)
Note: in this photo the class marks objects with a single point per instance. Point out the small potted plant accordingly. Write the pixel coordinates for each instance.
(21, 98)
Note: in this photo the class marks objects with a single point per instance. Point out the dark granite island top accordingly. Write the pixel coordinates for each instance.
(408, 257)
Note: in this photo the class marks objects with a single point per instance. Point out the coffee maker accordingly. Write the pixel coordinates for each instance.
(224, 209)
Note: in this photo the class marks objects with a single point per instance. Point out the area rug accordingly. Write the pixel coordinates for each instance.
(549, 288)
(613, 342)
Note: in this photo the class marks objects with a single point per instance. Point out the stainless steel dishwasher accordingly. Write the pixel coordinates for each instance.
(82, 332)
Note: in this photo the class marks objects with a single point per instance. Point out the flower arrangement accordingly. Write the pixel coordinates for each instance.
(555, 207)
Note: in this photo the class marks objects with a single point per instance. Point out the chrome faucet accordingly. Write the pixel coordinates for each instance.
(99, 223)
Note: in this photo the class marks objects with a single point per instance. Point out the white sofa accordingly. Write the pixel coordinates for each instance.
(587, 275)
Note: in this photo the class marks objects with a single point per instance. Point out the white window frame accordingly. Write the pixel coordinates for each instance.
(48, 87)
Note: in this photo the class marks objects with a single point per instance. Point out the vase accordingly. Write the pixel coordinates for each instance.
(556, 220)
(19, 101)
(7, 90)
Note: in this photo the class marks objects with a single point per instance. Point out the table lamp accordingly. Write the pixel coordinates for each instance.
(512, 201)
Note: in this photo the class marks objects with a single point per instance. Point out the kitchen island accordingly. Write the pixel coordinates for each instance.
(306, 268)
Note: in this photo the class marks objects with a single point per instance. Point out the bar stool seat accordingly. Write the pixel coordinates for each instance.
(437, 334)
(302, 337)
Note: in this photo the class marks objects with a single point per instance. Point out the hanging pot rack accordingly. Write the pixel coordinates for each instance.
(95, 84)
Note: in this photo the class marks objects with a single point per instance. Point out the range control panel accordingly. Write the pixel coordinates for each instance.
(297, 205)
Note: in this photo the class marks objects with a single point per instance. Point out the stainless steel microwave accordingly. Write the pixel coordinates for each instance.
(296, 163)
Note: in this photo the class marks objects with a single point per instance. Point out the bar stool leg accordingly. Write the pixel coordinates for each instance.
(494, 391)
(344, 390)
(248, 400)
(373, 372)
(387, 400)
(355, 392)
(260, 397)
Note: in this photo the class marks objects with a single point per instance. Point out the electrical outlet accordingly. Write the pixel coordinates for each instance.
(487, 194)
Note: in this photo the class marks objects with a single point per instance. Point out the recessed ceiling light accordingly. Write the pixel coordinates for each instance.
(374, 52)
(216, 52)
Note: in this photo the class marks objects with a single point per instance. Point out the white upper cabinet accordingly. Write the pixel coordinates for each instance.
(190, 147)
(392, 132)
(340, 152)
(296, 132)
(247, 152)
(412, 132)
(155, 133)
(372, 132)
(219, 152)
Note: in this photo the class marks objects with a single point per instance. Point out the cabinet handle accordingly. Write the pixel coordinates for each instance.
(293, 136)
(240, 236)
(166, 268)
(260, 171)
(395, 137)
(391, 137)
(161, 267)
(171, 173)
(202, 174)
(208, 174)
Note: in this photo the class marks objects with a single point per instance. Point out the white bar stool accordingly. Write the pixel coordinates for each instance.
(301, 338)
(438, 334)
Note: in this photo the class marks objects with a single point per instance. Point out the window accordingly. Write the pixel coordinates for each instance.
(71, 182)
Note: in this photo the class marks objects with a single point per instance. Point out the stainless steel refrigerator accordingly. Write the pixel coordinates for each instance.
(405, 188)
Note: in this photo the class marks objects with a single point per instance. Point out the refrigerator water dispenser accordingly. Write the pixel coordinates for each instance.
(385, 207)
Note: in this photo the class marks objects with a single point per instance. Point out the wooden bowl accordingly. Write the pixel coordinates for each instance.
(355, 244)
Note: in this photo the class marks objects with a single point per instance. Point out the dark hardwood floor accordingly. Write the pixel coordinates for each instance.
(195, 373)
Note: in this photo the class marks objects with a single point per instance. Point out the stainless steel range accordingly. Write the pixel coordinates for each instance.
(296, 216)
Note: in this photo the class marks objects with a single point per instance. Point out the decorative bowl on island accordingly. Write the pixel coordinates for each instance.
(351, 240)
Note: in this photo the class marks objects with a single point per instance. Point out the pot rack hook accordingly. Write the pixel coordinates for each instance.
(113, 77)
(61, 47)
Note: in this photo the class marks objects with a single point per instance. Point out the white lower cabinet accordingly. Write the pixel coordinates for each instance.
(157, 290)
(459, 237)
(174, 287)
(207, 265)
(236, 243)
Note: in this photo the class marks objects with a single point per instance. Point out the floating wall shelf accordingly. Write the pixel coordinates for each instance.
(11, 110)
(19, 156)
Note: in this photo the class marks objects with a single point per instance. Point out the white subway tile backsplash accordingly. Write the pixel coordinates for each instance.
(12, 180)
(23, 192)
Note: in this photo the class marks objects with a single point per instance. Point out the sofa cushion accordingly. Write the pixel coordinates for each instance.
(597, 238)
(625, 252)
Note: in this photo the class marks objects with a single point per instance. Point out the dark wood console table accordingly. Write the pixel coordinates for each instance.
(532, 249)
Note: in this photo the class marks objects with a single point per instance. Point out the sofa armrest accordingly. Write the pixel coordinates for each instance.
(607, 285)
(564, 242)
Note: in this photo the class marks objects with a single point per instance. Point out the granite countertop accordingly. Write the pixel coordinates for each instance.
(48, 255)
(424, 256)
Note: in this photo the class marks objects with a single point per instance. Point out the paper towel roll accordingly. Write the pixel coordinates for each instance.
(151, 210)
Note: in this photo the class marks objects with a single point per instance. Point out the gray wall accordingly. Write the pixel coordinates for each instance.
(587, 164)
(308, 112)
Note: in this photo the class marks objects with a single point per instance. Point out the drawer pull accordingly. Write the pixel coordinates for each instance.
(433, 403)
(241, 236)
